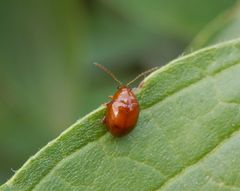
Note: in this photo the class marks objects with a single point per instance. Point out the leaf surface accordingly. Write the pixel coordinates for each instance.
(187, 137)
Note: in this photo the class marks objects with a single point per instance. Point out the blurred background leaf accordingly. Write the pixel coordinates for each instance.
(47, 79)
(182, 18)
(225, 27)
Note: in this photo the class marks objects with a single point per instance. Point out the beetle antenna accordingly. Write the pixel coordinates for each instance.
(108, 72)
(142, 74)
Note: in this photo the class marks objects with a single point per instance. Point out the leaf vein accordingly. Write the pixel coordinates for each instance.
(34, 186)
(199, 160)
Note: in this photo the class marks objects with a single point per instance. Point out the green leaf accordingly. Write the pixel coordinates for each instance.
(225, 27)
(187, 137)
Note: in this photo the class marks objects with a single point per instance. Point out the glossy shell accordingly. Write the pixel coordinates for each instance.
(122, 112)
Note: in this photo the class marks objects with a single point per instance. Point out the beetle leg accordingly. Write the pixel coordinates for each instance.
(105, 104)
(104, 120)
(111, 97)
(135, 90)
(141, 84)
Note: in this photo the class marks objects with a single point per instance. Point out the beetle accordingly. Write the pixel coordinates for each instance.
(123, 110)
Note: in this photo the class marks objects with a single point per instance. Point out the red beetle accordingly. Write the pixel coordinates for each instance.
(123, 110)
